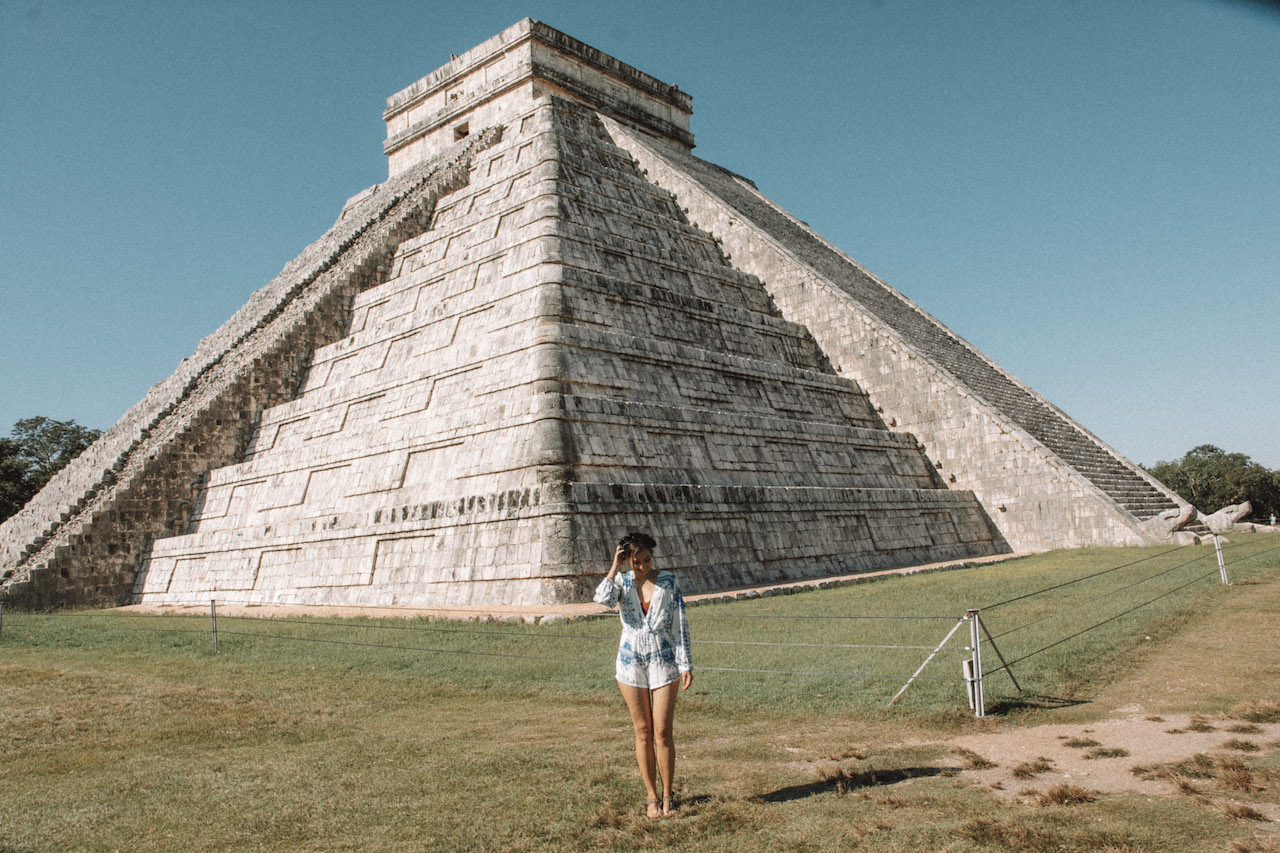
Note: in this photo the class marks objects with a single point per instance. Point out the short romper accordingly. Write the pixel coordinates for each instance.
(655, 647)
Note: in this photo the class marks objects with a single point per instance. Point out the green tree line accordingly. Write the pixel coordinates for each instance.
(36, 450)
(1210, 478)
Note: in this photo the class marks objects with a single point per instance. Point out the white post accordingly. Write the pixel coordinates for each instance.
(213, 615)
(966, 667)
(1222, 566)
(975, 634)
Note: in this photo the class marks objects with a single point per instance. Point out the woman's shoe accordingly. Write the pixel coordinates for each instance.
(651, 809)
(668, 806)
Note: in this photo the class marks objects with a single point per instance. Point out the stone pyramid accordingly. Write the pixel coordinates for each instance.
(550, 325)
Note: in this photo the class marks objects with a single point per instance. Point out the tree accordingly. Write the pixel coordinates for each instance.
(47, 445)
(15, 485)
(1210, 478)
(38, 449)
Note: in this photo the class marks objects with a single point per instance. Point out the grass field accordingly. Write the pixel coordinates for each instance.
(125, 733)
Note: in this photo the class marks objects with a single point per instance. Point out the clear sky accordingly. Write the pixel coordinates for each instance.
(1087, 190)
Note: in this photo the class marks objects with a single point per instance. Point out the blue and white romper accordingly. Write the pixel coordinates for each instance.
(655, 646)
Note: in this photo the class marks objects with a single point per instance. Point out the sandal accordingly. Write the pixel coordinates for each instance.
(651, 809)
(668, 806)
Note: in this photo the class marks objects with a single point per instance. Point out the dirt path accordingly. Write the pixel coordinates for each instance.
(1101, 756)
(1170, 707)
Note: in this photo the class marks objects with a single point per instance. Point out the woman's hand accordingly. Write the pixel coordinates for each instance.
(686, 679)
(619, 557)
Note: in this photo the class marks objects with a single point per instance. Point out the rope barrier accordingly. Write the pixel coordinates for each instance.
(702, 616)
(166, 630)
(825, 674)
(522, 635)
(1078, 580)
(411, 648)
(1251, 556)
(1130, 586)
(430, 608)
(426, 609)
(593, 663)
(1151, 578)
(1105, 621)
(1024, 625)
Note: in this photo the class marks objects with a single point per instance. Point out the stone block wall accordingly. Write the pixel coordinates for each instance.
(1045, 481)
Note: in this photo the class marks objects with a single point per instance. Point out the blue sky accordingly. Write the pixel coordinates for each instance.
(1087, 190)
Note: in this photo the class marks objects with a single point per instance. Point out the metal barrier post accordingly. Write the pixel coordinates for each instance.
(975, 636)
(966, 670)
(213, 615)
(945, 640)
(1222, 566)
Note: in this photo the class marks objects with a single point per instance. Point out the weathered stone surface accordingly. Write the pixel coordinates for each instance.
(1046, 481)
(532, 338)
(1225, 519)
(81, 539)
(1167, 524)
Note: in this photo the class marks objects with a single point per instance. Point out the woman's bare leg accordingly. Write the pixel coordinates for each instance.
(637, 699)
(664, 742)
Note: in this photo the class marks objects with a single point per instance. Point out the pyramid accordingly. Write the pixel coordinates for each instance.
(552, 324)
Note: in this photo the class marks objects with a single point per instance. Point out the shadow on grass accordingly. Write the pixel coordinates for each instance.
(1031, 702)
(851, 782)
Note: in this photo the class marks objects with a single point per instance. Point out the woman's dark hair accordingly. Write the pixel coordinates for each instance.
(637, 541)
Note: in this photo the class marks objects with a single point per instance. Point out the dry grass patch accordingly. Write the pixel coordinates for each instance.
(1255, 845)
(1081, 742)
(834, 775)
(1244, 729)
(1065, 794)
(1230, 771)
(1185, 787)
(1257, 711)
(1198, 766)
(1200, 724)
(992, 834)
(888, 801)
(1107, 752)
(1241, 745)
(1032, 769)
(1243, 812)
(999, 834)
(1237, 779)
(971, 759)
(853, 753)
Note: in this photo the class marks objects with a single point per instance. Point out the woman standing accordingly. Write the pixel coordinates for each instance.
(653, 655)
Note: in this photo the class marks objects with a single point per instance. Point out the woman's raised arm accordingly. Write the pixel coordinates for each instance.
(607, 591)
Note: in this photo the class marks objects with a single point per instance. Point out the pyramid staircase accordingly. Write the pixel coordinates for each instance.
(814, 282)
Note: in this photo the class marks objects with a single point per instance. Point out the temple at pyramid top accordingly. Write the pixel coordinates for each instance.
(550, 325)
(498, 79)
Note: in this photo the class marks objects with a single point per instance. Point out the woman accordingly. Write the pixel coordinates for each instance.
(653, 656)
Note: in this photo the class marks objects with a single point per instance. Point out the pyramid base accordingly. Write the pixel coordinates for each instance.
(551, 544)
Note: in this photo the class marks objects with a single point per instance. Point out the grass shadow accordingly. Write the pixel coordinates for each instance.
(850, 782)
(1031, 702)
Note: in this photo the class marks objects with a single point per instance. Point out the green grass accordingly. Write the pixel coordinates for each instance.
(119, 736)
